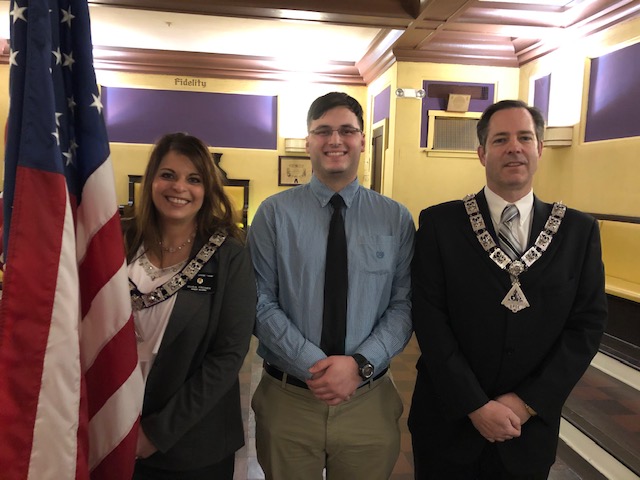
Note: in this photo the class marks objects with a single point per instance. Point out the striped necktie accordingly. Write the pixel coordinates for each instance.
(508, 241)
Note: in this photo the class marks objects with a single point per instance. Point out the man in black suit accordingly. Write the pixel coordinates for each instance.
(508, 309)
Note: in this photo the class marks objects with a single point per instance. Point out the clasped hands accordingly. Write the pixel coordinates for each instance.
(500, 419)
(334, 379)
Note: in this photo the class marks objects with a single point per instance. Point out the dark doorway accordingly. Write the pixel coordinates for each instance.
(377, 154)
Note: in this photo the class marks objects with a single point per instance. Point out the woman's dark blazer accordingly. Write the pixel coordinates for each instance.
(191, 409)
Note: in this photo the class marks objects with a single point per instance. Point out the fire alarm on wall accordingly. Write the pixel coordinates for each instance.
(458, 102)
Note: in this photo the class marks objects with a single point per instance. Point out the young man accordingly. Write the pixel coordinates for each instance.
(508, 309)
(325, 399)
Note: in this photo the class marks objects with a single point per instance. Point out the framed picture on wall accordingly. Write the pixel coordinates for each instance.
(293, 171)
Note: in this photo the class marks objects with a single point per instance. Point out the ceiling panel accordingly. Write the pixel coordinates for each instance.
(342, 41)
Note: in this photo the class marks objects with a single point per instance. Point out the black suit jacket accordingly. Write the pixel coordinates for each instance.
(191, 410)
(474, 349)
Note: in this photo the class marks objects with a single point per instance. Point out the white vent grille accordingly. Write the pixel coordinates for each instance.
(455, 134)
(452, 131)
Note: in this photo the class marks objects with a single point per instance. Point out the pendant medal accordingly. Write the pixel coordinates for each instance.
(515, 299)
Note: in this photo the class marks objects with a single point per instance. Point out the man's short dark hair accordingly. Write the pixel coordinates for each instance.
(483, 123)
(323, 104)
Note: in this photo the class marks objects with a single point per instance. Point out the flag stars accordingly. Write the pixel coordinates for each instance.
(97, 103)
(58, 115)
(71, 103)
(58, 55)
(67, 16)
(69, 158)
(68, 60)
(73, 147)
(12, 57)
(18, 13)
(56, 135)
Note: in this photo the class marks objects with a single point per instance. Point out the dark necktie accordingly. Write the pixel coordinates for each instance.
(508, 242)
(334, 315)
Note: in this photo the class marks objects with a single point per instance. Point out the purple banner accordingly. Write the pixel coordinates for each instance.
(541, 90)
(613, 96)
(219, 119)
(382, 105)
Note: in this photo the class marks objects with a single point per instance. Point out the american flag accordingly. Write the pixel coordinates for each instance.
(70, 388)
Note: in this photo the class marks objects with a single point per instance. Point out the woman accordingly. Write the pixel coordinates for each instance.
(193, 295)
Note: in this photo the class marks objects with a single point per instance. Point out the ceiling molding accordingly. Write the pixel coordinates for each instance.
(362, 13)
(379, 57)
(618, 12)
(196, 64)
(458, 57)
(467, 32)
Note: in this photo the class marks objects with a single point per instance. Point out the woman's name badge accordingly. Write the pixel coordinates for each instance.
(202, 283)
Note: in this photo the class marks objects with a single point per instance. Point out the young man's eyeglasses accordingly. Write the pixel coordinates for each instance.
(344, 131)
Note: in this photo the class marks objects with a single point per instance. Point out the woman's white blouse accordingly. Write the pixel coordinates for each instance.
(151, 323)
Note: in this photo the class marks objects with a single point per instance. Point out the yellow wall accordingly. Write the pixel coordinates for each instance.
(258, 166)
(597, 177)
(420, 180)
(387, 79)
(600, 177)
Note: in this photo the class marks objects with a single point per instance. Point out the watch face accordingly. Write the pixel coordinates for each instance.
(366, 371)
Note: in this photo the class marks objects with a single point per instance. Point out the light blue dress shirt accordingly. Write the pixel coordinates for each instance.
(288, 242)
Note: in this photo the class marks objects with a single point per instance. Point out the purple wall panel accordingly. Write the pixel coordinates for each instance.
(428, 103)
(541, 90)
(614, 109)
(382, 105)
(219, 119)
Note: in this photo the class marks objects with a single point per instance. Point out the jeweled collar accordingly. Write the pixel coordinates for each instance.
(515, 299)
(141, 300)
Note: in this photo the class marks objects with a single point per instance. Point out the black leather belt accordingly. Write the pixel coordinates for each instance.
(296, 382)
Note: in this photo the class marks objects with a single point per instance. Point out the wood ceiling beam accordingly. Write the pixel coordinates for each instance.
(196, 64)
(363, 13)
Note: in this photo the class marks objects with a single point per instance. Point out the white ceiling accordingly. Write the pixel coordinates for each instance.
(284, 39)
(337, 41)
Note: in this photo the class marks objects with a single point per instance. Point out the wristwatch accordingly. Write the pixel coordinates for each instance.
(365, 368)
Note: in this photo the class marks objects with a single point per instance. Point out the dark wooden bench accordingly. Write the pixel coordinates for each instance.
(621, 257)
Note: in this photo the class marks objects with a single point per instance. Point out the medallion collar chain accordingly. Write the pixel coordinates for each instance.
(141, 300)
(515, 299)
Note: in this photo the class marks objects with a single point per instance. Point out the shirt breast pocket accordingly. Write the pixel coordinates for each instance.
(376, 254)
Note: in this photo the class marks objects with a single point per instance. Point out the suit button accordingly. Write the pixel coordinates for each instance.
(509, 351)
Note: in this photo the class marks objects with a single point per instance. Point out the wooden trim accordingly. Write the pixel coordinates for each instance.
(213, 65)
(379, 58)
(371, 13)
(133, 179)
(615, 218)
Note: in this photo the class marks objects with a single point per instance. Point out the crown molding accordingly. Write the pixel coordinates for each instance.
(167, 62)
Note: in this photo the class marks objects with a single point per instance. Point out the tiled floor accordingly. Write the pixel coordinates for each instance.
(403, 368)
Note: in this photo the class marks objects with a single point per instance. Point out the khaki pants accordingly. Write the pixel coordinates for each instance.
(297, 435)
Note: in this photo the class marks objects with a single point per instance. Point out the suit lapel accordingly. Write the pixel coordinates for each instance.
(541, 212)
(186, 306)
